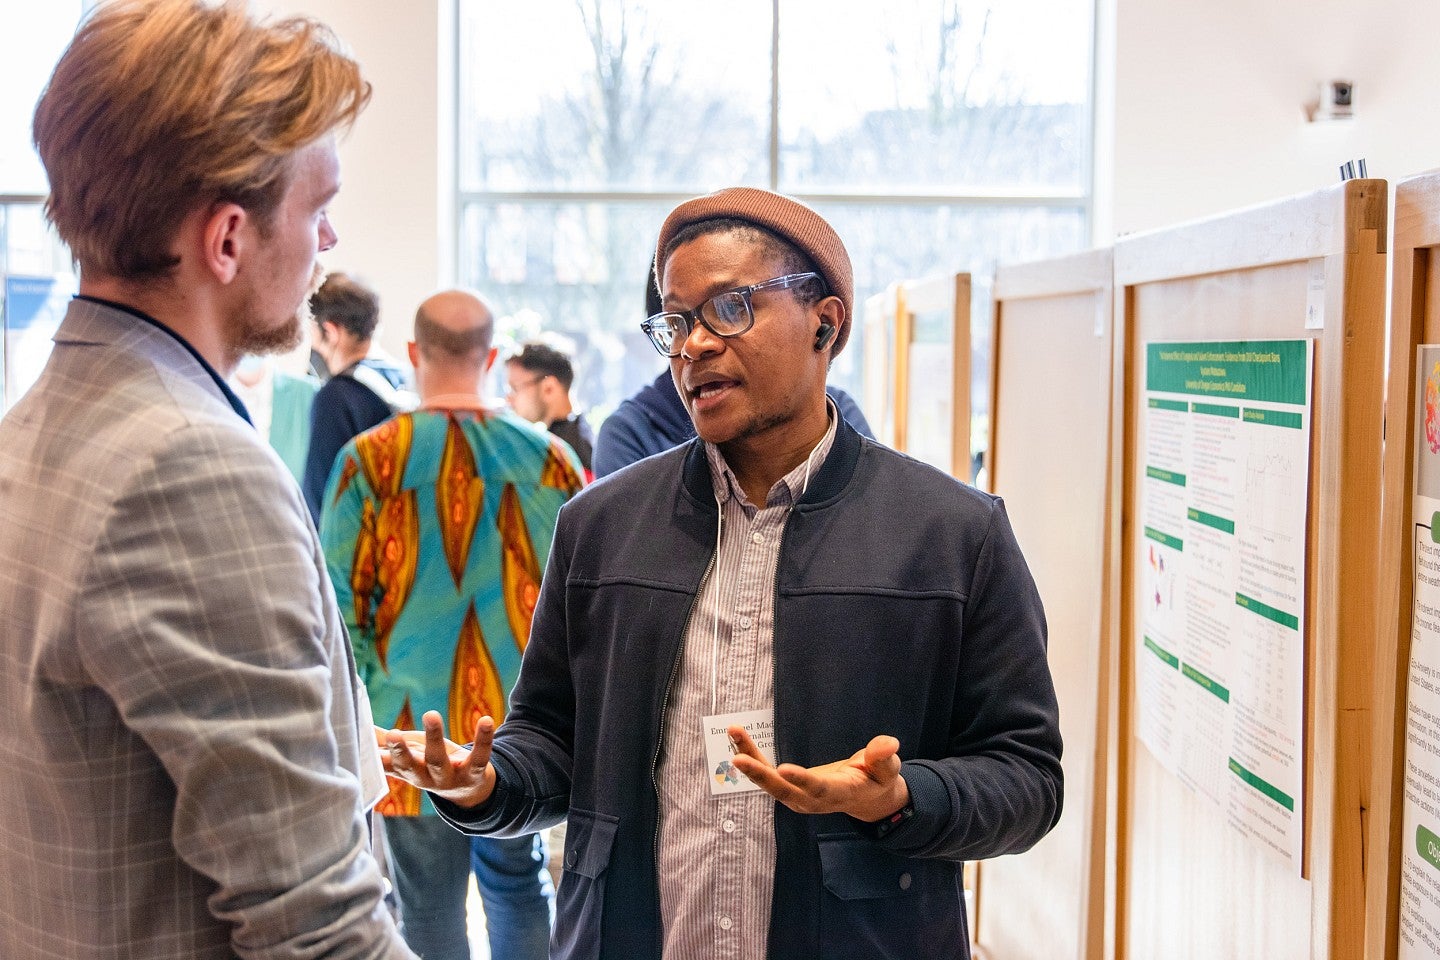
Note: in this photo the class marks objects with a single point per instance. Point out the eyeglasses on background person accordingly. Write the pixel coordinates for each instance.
(727, 314)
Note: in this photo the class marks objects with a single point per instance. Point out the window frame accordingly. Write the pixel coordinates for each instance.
(1082, 199)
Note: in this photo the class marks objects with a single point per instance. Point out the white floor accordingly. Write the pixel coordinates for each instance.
(475, 909)
(475, 917)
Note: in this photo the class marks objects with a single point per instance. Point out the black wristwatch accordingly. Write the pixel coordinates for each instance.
(884, 827)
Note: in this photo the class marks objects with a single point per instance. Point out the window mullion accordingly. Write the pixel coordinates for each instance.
(775, 95)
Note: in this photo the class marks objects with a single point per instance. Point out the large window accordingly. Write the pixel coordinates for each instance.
(35, 274)
(937, 135)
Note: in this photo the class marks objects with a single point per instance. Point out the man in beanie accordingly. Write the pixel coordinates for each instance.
(777, 589)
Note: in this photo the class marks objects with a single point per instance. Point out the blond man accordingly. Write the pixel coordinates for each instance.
(185, 775)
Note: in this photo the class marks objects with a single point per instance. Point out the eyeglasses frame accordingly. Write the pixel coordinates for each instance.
(696, 315)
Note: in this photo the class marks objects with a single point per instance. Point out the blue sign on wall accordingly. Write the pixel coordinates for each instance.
(33, 309)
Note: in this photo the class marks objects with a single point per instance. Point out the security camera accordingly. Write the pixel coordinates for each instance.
(1336, 100)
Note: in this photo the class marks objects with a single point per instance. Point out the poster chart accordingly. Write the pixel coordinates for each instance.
(1220, 656)
(1420, 850)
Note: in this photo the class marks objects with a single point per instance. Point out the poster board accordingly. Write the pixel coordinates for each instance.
(933, 372)
(1188, 883)
(1415, 320)
(1052, 390)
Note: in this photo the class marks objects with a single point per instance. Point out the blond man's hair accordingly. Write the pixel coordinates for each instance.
(162, 107)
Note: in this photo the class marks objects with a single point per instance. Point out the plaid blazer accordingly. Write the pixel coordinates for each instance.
(188, 759)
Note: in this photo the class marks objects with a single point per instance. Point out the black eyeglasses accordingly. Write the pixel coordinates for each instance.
(727, 314)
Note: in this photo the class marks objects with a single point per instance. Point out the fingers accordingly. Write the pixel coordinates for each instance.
(480, 752)
(882, 758)
(396, 757)
(743, 745)
(437, 758)
(766, 778)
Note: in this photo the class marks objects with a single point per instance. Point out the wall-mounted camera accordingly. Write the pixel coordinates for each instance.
(1335, 101)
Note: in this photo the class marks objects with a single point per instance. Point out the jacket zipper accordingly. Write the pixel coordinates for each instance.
(664, 712)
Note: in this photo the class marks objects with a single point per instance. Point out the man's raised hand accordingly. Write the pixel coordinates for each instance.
(867, 785)
(440, 766)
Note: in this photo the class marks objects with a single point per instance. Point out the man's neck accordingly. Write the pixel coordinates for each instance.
(560, 410)
(759, 462)
(448, 390)
(190, 315)
(346, 356)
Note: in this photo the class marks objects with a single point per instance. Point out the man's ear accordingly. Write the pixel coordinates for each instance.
(490, 360)
(412, 350)
(225, 241)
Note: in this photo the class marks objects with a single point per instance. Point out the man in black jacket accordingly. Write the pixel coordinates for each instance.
(782, 680)
(363, 390)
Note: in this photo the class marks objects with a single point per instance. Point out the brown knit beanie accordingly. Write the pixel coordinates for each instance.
(788, 218)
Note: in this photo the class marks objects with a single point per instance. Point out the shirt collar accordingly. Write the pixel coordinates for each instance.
(235, 402)
(788, 488)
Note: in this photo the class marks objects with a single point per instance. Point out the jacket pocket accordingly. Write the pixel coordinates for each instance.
(580, 904)
(879, 905)
(853, 868)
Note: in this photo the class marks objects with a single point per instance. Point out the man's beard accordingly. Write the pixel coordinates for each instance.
(250, 337)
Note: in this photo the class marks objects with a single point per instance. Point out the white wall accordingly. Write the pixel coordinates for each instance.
(1207, 108)
(394, 212)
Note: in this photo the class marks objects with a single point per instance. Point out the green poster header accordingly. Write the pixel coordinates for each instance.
(1169, 476)
(1270, 371)
(1427, 844)
(1210, 520)
(1274, 418)
(1268, 612)
(1177, 405)
(1205, 683)
(1268, 789)
(1174, 543)
(1170, 659)
(1215, 410)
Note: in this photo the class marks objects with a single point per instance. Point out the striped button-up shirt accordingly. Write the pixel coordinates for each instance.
(717, 853)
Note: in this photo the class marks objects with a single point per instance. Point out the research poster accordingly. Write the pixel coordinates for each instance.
(1221, 572)
(1420, 858)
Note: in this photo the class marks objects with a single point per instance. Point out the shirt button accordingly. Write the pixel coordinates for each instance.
(757, 537)
(572, 857)
(726, 923)
(904, 881)
(728, 826)
(745, 622)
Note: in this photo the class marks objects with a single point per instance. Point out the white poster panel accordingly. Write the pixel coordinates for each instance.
(1220, 650)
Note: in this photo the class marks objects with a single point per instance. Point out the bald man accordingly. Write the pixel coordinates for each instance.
(436, 525)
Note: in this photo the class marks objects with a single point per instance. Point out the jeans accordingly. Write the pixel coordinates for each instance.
(430, 862)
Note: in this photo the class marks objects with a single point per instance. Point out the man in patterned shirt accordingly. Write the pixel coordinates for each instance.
(779, 589)
(435, 526)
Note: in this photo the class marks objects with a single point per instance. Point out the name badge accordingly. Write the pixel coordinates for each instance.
(724, 778)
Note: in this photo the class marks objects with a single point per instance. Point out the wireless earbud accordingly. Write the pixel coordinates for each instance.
(824, 335)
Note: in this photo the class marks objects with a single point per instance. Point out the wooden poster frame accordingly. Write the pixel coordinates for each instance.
(1414, 319)
(1051, 372)
(923, 295)
(1185, 888)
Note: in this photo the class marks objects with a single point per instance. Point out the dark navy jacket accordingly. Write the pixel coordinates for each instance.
(343, 409)
(903, 607)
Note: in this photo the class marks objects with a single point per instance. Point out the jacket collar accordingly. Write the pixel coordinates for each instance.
(104, 322)
(832, 478)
